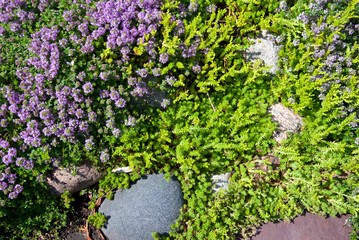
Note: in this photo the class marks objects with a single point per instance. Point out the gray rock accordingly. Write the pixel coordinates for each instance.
(122, 170)
(151, 204)
(220, 181)
(287, 121)
(263, 49)
(62, 179)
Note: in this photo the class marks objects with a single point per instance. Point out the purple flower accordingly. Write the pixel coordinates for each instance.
(114, 95)
(3, 123)
(283, 5)
(81, 76)
(131, 121)
(45, 114)
(83, 28)
(139, 91)
(163, 58)
(165, 103)
(62, 115)
(79, 113)
(3, 186)
(116, 132)
(211, 8)
(67, 16)
(120, 103)
(63, 42)
(83, 126)
(103, 94)
(69, 131)
(104, 156)
(170, 80)
(20, 162)
(54, 142)
(131, 81)
(156, 72)
(353, 124)
(40, 178)
(4, 144)
(55, 162)
(7, 159)
(12, 195)
(2, 176)
(196, 69)
(142, 72)
(66, 91)
(89, 144)
(12, 152)
(11, 178)
(357, 141)
(110, 124)
(92, 116)
(125, 50)
(88, 102)
(88, 87)
(104, 76)
(192, 7)
(18, 188)
(13, 108)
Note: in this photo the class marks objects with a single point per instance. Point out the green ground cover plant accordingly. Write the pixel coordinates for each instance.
(79, 80)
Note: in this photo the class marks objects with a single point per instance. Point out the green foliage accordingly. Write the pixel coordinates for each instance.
(33, 215)
(67, 199)
(217, 122)
(97, 219)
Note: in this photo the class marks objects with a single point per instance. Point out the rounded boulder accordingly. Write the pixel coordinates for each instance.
(151, 204)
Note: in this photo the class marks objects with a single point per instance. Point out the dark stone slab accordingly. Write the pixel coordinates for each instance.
(151, 204)
(306, 227)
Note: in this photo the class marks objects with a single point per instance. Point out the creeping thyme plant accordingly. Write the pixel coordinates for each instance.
(164, 86)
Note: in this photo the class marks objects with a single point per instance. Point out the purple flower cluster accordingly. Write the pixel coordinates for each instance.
(104, 156)
(163, 58)
(191, 51)
(11, 13)
(165, 103)
(131, 121)
(170, 80)
(333, 53)
(196, 69)
(55, 100)
(142, 72)
(88, 88)
(7, 184)
(211, 8)
(89, 144)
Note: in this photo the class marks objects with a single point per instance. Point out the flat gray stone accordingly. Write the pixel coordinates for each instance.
(287, 120)
(263, 49)
(220, 181)
(152, 204)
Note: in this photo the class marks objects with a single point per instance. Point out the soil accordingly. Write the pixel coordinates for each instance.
(77, 226)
